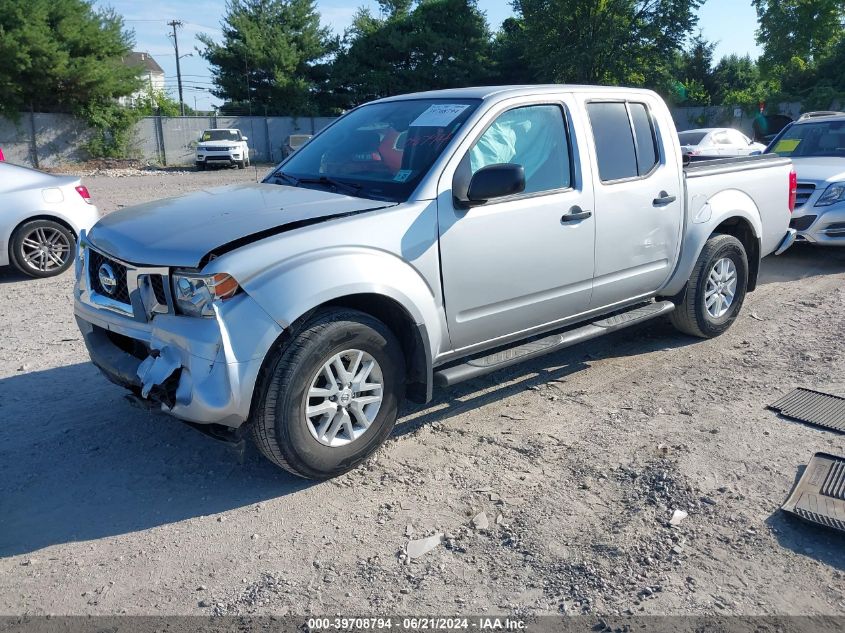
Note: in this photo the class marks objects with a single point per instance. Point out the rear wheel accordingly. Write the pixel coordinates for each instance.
(330, 397)
(716, 289)
(42, 248)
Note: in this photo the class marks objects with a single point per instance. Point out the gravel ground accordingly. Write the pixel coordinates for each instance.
(552, 483)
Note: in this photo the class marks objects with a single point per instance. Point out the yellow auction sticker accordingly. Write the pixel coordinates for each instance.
(787, 145)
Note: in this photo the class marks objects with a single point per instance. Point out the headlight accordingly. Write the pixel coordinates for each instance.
(833, 194)
(195, 294)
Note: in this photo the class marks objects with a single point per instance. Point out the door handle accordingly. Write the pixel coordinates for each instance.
(575, 214)
(663, 199)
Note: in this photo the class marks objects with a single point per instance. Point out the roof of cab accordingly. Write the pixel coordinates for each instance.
(501, 92)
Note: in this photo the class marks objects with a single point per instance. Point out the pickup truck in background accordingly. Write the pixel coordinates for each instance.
(222, 146)
(420, 240)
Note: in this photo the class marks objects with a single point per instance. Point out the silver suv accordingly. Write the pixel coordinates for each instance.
(816, 145)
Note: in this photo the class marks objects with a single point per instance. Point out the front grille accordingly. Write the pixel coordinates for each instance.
(802, 224)
(121, 290)
(805, 190)
(217, 149)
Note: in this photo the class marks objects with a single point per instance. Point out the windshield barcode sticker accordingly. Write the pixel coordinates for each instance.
(439, 115)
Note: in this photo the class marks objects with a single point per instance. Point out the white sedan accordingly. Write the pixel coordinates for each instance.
(718, 141)
(41, 216)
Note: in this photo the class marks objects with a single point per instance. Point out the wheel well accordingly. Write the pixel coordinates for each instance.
(401, 323)
(51, 218)
(742, 230)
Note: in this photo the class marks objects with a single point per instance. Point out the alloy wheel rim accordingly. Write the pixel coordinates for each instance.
(720, 291)
(344, 398)
(45, 249)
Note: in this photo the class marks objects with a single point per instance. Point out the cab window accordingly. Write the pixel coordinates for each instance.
(532, 136)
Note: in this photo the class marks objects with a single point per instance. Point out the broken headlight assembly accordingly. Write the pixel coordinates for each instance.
(195, 294)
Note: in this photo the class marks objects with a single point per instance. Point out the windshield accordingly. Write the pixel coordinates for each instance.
(811, 139)
(220, 135)
(691, 138)
(381, 150)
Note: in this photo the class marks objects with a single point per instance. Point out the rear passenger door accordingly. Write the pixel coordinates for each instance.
(639, 200)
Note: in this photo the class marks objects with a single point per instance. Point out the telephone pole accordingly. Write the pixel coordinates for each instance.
(174, 24)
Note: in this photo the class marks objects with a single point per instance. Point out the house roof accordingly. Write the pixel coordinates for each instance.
(144, 60)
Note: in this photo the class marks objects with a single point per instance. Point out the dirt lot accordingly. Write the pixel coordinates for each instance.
(578, 461)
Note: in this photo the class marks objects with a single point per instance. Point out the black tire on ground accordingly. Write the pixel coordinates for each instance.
(25, 232)
(691, 315)
(200, 166)
(278, 423)
(241, 164)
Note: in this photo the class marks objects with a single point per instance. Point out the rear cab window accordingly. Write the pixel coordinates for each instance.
(625, 140)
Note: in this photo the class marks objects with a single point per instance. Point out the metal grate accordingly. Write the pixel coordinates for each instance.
(805, 190)
(813, 407)
(819, 496)
(121, 291)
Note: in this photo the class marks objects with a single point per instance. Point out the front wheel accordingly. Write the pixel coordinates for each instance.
(241, 164)
(716, 289)
(327, 399)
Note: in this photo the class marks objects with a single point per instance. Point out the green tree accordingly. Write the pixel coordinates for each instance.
(67, 56)
(158, 103)
(272, 56)
(629, 42)
(697, 68)
(738, 82)
(435, 44)
(804, 29)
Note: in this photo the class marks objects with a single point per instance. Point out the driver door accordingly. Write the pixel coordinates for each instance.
(517, 263)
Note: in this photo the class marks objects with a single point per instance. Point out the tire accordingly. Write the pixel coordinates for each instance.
(42, 248)
(279, 425)
(692, 316)
(200, 166)
(241, 164)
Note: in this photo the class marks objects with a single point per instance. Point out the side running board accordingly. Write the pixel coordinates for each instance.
(512, 355)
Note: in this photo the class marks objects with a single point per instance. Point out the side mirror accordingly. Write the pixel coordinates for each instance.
(493, 181)
(244, 138)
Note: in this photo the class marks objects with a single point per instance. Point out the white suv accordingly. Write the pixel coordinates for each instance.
(222, 145)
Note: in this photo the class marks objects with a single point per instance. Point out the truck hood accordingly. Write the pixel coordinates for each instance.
(182, 231)
(820, 169)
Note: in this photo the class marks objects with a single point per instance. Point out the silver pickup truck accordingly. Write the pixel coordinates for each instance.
(420, 240)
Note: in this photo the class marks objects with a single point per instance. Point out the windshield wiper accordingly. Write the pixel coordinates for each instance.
(331, 182)
(283, 176)
(322, 180)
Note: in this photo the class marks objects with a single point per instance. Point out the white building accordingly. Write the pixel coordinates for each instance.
(150, 72)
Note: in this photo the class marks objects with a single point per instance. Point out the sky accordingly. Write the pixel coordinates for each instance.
(731, 23)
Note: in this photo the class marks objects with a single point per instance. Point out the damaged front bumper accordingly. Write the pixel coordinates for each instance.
(201, 370)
